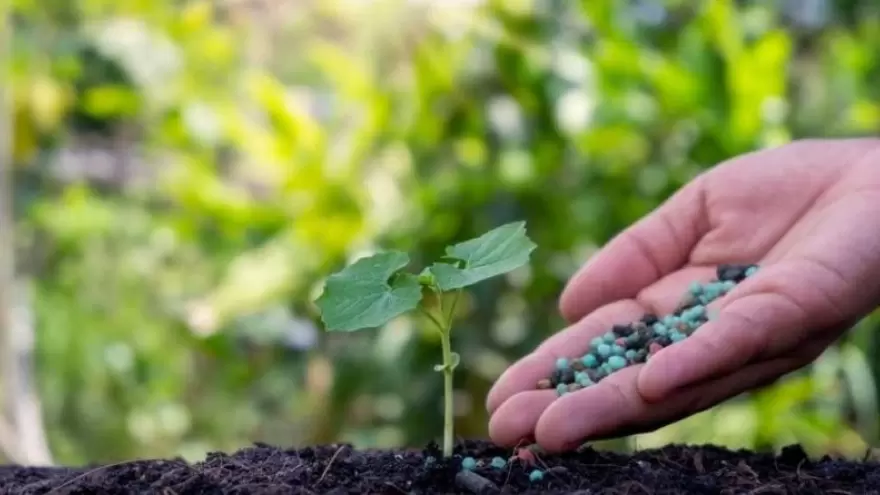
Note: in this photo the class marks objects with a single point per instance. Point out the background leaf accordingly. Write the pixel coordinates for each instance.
(188, 221)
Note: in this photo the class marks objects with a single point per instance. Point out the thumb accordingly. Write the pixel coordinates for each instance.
(655, 246)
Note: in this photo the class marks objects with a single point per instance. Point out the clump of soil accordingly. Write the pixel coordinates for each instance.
(339, 469)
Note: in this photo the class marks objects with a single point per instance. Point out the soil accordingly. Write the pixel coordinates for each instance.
(339, 469)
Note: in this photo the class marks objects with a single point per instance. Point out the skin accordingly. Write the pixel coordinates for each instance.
(807, 212)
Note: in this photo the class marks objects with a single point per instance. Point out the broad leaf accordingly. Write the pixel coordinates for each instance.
(369, 292)
(498, 251)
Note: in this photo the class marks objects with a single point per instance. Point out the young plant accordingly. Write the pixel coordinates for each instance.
(375, 289)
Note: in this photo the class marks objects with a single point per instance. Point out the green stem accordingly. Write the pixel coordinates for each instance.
(448, 406)
(451, 314)
(444, 326)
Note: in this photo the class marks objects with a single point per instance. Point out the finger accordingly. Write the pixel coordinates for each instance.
(765, 374)
(660, 298)
(572, 342)
(640, 255)
(515, 419)
(613, 407)
(765, 316)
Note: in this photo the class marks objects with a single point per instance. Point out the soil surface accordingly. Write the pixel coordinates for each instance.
(338, 469)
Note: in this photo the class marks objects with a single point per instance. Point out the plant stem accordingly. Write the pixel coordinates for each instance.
(448, 406)
(444, 326)
(451, 314)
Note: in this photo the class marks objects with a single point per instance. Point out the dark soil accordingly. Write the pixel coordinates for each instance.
(342, 470)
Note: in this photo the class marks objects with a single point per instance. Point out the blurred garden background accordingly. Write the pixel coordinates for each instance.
(186, 173)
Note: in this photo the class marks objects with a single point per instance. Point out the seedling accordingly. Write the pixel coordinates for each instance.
(375, 289)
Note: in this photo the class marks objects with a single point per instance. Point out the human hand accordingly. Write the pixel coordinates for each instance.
(807, 212)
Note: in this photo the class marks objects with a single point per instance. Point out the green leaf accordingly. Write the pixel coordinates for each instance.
(369, 292)
(498, 251)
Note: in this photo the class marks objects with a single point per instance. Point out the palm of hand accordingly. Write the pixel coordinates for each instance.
(809, 213)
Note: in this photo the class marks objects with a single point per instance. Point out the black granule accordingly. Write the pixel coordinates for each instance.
(732, 272)
(641, 355)
(622, 330)
(556, 377)
(567, 376)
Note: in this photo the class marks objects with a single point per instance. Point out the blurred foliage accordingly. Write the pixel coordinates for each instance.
(188, 172)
